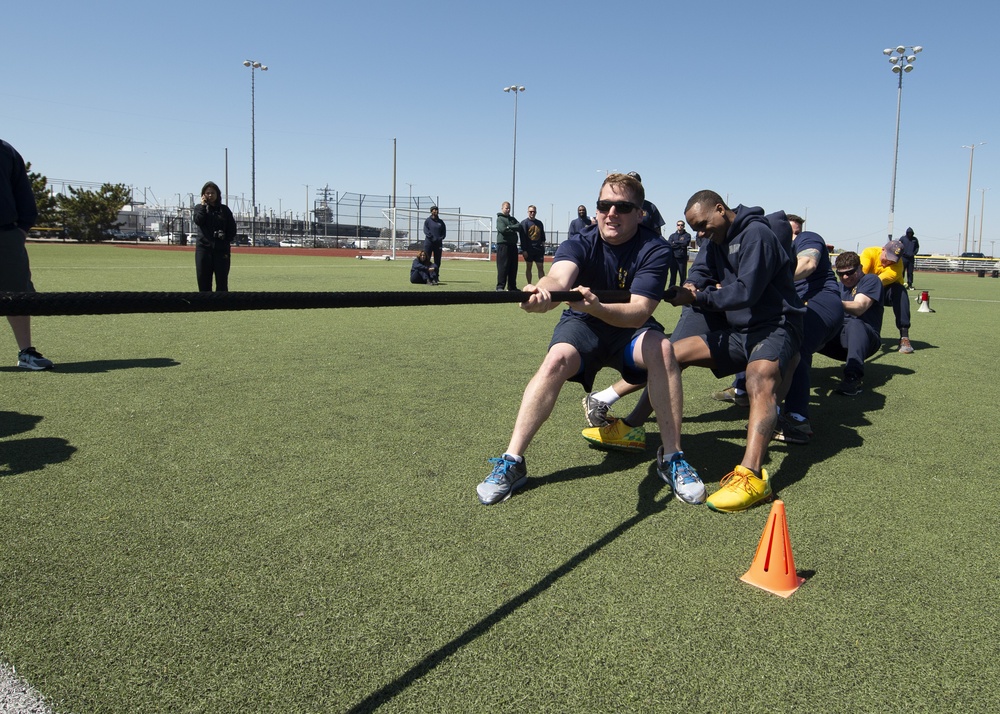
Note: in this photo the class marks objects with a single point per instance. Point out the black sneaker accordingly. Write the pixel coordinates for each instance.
(792, 432)
(849, 386)
(596, 411)
(30, 358)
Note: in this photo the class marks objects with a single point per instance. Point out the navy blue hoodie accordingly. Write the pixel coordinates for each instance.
(755, 272)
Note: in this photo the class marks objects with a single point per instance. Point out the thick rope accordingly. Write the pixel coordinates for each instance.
(118, 303)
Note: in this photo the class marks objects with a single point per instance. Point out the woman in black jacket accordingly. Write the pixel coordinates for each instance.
(216, 230)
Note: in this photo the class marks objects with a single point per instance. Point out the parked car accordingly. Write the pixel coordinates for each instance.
(472, 247)
(972, 255)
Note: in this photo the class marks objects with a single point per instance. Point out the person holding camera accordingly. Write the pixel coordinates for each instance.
(216, 231)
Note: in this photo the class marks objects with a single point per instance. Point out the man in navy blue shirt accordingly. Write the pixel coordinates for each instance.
(679, 242)
(533, 244)
(745, 276)
(434, 233)
(581, 221)
(861, 334)
(18, 213)
(617, 254)
(818, 289)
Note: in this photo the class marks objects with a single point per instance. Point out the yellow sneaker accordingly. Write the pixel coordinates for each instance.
(617, 436)
(740, 489)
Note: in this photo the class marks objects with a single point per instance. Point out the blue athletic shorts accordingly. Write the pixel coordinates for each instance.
(732, 351)
(601, 345)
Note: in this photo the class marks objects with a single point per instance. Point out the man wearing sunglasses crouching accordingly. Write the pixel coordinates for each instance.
(616, 254)
(861, 335)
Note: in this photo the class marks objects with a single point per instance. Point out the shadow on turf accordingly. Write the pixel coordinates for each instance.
(107, 365)
(647, 504)
(25, 455)
(835, 419)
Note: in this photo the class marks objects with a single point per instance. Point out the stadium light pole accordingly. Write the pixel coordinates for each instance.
(968, 194)
(901, 64)
(254, 65)
(982, 209)
(513, 179)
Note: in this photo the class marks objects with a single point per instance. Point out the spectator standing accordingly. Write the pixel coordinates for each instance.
(216, 231)
(508, 236)
(434, 232)
(18, 213)
(911, 246)
(533, 244)
(680, 241)
(581, 221)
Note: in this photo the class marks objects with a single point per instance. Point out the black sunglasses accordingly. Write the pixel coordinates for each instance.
(620, 206)
(847, 273)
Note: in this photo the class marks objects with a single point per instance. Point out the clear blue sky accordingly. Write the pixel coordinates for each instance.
(787, 105)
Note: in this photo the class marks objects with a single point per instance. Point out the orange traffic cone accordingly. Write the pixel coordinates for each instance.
(773, 567)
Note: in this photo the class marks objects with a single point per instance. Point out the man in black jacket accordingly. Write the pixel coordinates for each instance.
(18, 213)
(679, 241)
(911, 246)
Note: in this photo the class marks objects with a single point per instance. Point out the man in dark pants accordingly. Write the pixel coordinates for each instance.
(679, 242)
(533, 244)
(434, 233)
(860, 336)
(508, 237)
(911, 246)
(18, 213)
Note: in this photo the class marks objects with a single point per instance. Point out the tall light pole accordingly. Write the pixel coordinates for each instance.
(968, 194)
(981, 209)
(254, 65)
(409, 214)
(901, 63)
(513, 179)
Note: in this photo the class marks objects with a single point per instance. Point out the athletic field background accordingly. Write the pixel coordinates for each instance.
(275, 511)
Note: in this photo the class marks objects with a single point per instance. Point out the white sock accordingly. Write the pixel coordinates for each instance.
(515, 457)
(608, 396)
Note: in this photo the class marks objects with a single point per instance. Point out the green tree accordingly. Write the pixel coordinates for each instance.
(48, 215)
(89, 215)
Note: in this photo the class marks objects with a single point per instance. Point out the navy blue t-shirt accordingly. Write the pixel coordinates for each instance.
(871, 286)
(822, 279)
(640, 265)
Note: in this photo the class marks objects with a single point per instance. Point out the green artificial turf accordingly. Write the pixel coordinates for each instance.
(275, 511)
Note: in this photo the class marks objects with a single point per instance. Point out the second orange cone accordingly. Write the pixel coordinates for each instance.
(773, 567)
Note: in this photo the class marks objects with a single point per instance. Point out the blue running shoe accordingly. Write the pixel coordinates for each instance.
(682, 478)
(507, 476)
